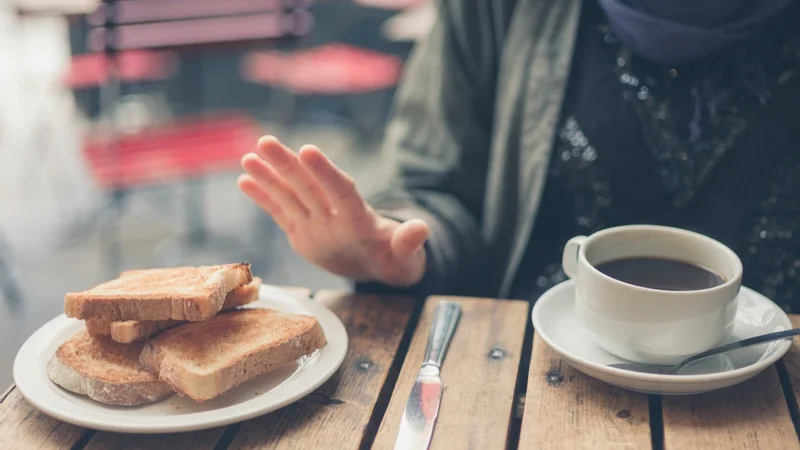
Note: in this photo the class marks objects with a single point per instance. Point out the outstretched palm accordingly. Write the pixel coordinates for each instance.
(327, 221)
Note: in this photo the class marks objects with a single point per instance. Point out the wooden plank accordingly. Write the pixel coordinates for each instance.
(23, 427)
(753, 415)
(565, 409)
(479, 375)
(198, 440)
(792, 362)
(341, 413)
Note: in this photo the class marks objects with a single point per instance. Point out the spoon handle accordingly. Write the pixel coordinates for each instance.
(769, 337)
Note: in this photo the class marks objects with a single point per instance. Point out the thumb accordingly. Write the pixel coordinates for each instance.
(409, 237)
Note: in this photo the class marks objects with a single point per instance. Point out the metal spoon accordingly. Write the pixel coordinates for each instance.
(673, 370)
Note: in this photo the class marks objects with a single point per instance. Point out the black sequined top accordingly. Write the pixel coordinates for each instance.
(712, 146)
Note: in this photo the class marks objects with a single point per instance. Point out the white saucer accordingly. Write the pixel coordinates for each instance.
(556, 324)
(175, 414)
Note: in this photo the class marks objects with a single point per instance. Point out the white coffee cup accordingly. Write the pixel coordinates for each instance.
(650, 325)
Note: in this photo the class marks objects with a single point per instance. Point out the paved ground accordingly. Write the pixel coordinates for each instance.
(33, 216)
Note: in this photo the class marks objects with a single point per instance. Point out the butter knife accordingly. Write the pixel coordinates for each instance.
(422, 409)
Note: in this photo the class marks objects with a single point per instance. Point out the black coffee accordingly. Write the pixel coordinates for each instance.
(661, 273)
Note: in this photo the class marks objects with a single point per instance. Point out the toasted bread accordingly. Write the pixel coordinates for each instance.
(203, 360)
(129, 331)
(178, 293)
(105, 371)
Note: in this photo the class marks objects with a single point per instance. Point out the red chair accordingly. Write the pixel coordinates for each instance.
(135, 66)
(389, 4)
(9, 285)
(189, 149)
(329, 69)
(138, 40)
(333, 69)
(143, 24)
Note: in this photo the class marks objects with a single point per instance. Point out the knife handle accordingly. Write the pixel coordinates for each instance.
(442, 329)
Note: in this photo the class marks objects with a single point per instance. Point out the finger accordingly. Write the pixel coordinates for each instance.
(409, 238)
(251, 188)
(341, 188)
(288, 166)
(273, 184)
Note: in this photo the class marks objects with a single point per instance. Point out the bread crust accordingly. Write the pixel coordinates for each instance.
(105, 371)
(180, 293)
(128, 331)
(138, 330)
(204, 360)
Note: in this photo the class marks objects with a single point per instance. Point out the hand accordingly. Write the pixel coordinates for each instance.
(327, 221)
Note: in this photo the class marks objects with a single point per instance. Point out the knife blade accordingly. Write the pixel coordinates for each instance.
(422, 407)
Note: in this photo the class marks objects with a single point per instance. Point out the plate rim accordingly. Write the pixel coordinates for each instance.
(754, 368)
(330, 323)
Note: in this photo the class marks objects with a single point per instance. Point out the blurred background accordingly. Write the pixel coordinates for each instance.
(122, 124)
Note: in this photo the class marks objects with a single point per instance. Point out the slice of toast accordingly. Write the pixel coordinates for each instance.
(177, 293)
(105, 371)
(205, 359)
(129, 331)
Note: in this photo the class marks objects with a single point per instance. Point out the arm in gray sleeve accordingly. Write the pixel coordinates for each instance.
(438, 140)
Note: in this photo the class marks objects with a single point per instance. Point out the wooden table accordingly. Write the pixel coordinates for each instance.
(492, 399)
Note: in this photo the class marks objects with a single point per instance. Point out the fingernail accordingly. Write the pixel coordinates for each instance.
(267, 139)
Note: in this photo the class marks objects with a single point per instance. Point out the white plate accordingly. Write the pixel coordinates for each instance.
(554, 320)
(175, 414)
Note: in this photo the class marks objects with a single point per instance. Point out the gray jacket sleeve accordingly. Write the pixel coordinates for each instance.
(438, 140)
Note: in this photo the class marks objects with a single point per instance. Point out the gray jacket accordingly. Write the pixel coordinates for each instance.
(471, 135)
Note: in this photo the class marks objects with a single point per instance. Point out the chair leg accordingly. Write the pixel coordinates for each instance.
(112, 247)
(9, 287)
(111, 208)
(195, 210)
(265, 233)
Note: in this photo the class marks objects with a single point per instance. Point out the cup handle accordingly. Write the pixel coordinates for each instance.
(569, 261)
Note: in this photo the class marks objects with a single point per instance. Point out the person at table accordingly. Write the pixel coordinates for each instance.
(521, 124)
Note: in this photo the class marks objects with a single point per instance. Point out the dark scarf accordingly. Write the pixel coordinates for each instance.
(670, 32)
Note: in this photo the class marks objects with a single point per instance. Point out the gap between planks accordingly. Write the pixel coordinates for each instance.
(656, 422)
(788, 394)
(7, 392)
(789, 372)
(515, 426)
(385, 396)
